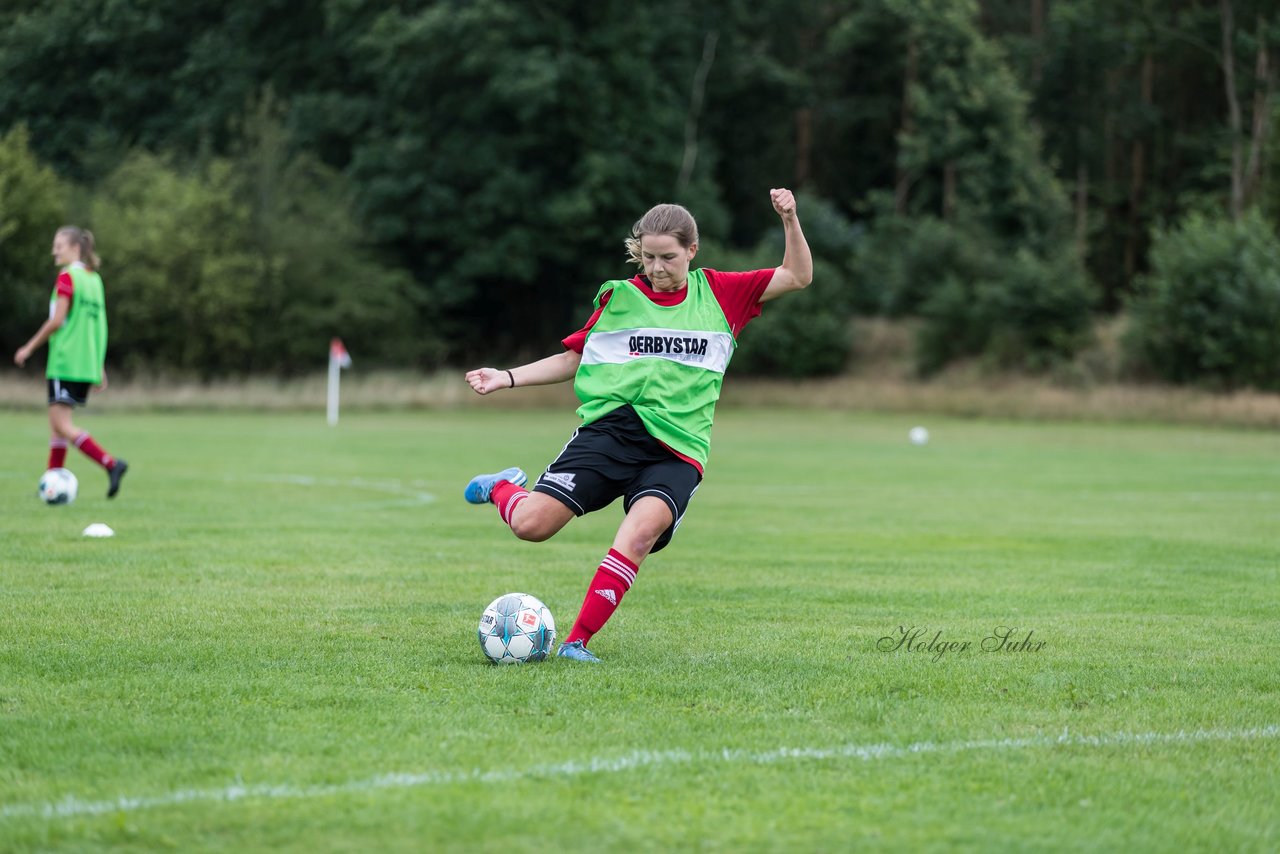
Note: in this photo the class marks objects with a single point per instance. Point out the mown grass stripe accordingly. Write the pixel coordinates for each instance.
(72, 806)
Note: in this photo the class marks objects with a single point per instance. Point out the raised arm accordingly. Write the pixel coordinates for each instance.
(553, 369)
(796, 271)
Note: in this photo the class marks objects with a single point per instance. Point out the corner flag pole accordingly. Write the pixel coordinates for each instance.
(338, 360)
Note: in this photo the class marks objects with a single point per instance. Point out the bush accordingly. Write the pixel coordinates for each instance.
(906, 260)
(249, 265)
(1015, 309)
(31, 210)
(1028, 314)
(180, 279)
(324, 281)
(1036, 312)
(1209, 310)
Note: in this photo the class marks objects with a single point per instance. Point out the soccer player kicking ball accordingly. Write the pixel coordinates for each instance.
(77, 334)
(647, 367)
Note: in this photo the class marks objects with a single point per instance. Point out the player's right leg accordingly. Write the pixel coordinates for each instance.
(531, 516)
(536, 517)
(655, 501)
(577, 651)
(481, 486)
(646, 520)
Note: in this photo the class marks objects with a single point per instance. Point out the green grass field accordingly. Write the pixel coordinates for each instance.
(278, 650)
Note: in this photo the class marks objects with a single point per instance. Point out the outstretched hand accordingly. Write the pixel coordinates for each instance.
(485, 380)
(20, 357)
(784, 203)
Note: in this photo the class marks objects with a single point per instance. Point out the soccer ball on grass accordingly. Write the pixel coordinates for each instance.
(58, 486)
(516, 628)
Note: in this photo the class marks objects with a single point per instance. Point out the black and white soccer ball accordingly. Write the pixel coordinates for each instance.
(516, 628)
(58, 486)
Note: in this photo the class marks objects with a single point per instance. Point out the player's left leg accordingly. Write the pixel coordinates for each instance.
(539, 518)
(647, 520)
(655, 501)
(57, 451)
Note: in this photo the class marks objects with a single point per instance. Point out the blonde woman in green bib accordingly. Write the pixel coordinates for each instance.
(77, 334)
(648, 367)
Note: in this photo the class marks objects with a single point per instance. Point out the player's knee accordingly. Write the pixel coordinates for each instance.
(531, 529)
(642, 537)
(641, 542)
(663, 539)
(534, 524)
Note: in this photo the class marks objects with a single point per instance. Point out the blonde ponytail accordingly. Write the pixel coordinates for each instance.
(83, 238)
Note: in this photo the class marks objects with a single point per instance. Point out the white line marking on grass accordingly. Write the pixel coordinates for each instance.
(410, 495)
(72, 806)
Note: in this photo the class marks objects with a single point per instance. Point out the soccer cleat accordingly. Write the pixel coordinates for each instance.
(482, 484)
(576, 651)
(116, 473)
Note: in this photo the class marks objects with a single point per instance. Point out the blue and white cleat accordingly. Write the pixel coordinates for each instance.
(575, 651)
(482, 484)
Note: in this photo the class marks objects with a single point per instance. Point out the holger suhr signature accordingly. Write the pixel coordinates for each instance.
(1008, 639)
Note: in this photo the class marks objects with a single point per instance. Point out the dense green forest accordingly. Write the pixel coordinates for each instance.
(446, 181)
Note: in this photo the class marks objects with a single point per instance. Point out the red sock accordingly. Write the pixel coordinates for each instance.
(506, 496)
(57, 452)
(613, 579)
(93, 451)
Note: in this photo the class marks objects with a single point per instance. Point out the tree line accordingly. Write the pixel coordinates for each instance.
(439, 181)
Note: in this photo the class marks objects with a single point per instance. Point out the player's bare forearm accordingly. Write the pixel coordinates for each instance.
(46, 329)
(796, 270)
(796, 258)
(43, 334)
(552, 369)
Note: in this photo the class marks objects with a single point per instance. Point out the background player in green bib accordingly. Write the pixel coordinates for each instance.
(648, 368)
(77, 334)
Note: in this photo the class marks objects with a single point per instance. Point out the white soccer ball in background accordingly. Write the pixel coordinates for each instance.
(918, 436)
(58, 486)
(516, 628)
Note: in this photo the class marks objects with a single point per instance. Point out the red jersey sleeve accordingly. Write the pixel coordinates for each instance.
(578, 340)
(66, 287)
(739, 294)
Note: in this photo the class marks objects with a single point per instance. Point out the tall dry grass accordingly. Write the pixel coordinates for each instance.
(881, 382)
(1001, 397)
(359, 391)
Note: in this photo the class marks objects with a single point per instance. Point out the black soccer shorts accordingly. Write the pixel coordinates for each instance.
(68, 393)
(616, 456)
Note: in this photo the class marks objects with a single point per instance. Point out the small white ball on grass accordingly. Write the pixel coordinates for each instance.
(918, 436)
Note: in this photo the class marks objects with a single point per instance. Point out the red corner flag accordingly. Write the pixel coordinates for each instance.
(339, 354)
(338, 359)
